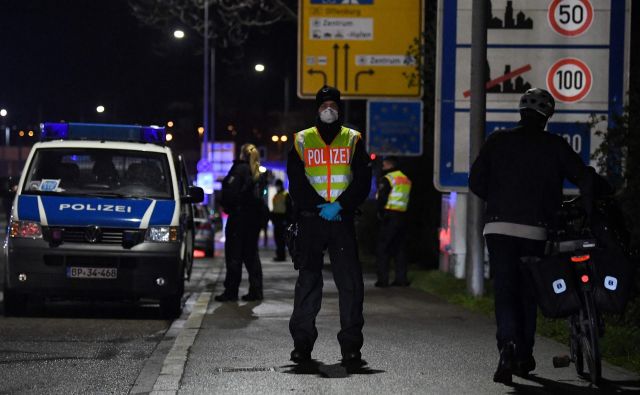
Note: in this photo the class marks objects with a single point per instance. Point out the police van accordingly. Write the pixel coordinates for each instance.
(101, 211)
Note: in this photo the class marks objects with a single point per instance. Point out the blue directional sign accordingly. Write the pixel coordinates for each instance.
(394, 127)
(575, 49)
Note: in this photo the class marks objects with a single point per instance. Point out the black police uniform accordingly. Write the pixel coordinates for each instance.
(315, 235)
(391, 238)
(520, 174)
(242, 200)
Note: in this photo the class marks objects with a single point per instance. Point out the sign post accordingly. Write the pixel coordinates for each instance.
(358, 46)
(578, 50)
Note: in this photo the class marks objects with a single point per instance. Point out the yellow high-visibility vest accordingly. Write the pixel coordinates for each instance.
(327, 167)
(280, 202)
(400, 188)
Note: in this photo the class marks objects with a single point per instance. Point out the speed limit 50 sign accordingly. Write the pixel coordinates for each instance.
(576, 49)
(570, 17)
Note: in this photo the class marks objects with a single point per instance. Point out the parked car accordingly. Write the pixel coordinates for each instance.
(205, 229)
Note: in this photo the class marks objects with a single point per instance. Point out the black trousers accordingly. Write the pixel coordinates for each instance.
(391, 244)
(315, 235)
(515, 302)
(279, 226)
(241, 246)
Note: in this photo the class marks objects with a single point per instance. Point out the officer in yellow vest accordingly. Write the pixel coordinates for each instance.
(329, 177)
(280, 217)
(393, 199)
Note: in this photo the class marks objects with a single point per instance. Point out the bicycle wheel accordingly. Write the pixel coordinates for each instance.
(591, 342)
(575, 345)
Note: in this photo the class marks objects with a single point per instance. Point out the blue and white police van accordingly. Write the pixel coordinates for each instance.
(101, 211)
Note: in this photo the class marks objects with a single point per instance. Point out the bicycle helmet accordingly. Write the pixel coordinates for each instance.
(538, 100)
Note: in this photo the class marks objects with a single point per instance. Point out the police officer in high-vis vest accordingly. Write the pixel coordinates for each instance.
(280, 217)
(393, 199)
(329, 177)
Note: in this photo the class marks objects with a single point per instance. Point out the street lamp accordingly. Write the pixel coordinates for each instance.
(3, 114)
(100, 109)
(260, 68)
(169, 137)
(170, 124)
(179, 34)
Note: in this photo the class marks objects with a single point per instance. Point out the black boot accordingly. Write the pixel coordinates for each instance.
(524, 366)
(252, 296)
(506, 364)
(226, 297)
(300, 356)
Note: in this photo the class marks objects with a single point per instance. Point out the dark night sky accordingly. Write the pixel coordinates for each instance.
(62, 58)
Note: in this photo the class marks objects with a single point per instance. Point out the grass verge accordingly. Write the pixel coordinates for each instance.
(619, 346)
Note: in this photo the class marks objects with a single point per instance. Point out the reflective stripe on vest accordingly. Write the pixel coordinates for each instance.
(328, 168)
(400, 189)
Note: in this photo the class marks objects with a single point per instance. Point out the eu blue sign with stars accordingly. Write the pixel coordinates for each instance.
(394, 127)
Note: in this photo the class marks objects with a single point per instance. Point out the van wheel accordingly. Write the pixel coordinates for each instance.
(171, 305)
(14, 303)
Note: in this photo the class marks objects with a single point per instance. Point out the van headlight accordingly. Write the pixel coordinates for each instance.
(162, 234)
(25, 229)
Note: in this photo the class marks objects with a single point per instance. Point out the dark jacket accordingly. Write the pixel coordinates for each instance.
(305, 198)
(520, 174)
(240, 192)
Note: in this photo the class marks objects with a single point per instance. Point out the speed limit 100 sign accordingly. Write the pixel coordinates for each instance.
(570, 17)
(569, 80)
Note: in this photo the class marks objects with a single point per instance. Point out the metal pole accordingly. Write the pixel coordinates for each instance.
(286, 96)
(475, 242)
(205, 102)
(212, 103)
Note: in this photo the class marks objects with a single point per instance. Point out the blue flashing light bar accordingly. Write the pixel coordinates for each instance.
(102, 132)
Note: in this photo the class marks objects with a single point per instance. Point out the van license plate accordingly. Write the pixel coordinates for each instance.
(92, 272)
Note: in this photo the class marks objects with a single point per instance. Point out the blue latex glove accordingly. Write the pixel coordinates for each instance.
(330, 211)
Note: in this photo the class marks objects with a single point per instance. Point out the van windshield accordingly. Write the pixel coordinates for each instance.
(99, 172)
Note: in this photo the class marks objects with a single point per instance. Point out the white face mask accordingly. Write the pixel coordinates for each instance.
(329, 115)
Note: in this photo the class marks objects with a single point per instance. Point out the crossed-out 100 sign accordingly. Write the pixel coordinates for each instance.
(570, 17)
(569, 80)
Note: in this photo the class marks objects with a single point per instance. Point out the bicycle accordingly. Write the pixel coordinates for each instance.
(576, 242)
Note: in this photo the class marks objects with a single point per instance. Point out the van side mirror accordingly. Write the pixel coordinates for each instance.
(196, 195)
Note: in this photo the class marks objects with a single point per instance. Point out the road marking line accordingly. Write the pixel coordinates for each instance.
(168, 382)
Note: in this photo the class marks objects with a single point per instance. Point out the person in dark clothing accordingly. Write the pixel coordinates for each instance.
(327, 183)
(520, 174)
(281, 218)
(393, 200)
(8, 193)
(242, 200)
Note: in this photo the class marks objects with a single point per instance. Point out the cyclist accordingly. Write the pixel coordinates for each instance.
(520, 174)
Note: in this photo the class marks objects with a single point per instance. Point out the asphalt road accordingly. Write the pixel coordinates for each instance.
(414, 343)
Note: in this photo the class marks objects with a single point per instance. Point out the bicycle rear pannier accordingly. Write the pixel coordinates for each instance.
(614, 278)
(554, 283)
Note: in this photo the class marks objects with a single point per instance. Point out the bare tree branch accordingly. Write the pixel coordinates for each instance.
(229, 21)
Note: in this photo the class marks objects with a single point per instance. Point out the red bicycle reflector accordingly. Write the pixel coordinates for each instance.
(580, 258)
(584, 278)
(373, 156)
